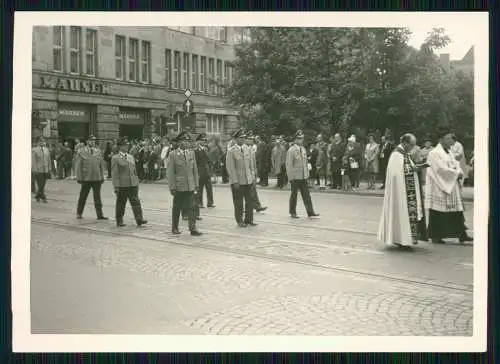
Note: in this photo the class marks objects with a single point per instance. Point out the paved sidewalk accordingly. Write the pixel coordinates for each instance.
(468, 192)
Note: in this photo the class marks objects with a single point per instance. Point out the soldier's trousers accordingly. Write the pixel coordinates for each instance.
(84, 193)
(184, 201)
(132, 195)
(303, 187)
(240, 194)
(255, 197)
(40, 179)
(206, 183)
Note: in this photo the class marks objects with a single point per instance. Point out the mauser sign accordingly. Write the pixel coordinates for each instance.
(71, 84)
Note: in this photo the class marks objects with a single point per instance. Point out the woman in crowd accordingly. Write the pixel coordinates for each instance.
(354, 154)
(371, 157)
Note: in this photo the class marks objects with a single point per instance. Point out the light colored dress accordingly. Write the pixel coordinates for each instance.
(371, 157)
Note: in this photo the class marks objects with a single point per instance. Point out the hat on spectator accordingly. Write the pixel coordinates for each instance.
(298, 134)
(249, 135)
(122, 141)
(91, 137)
(202, 137)
(240, 133)
(182, 136)
(443, 130)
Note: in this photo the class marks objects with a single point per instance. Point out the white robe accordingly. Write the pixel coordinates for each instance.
(442, 188)
(394, 225)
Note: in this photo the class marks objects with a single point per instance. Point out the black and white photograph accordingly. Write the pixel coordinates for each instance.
(265, 182)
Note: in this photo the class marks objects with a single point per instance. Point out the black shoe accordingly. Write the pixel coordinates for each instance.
(45, 200)
(313, 215)
(195, 233)
(294, 216)
(120, 224)
(201, 206)
(141, 222)
(103, 218)
(79, 216)
(250, 224)
(261, 209)
(242, 225)
(198, 218)
(438, 241)
(211, 206)
(176, 232)
(37, 199)
(465, 238)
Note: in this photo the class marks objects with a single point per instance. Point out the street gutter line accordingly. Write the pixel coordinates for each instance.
(443, 285)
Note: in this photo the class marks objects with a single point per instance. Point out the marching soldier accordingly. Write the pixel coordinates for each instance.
(204, 171)
(190, 148)
(126, 184)
(89, 170)
(241, 177)
(182, 175)
(252, 152)
(298, 174)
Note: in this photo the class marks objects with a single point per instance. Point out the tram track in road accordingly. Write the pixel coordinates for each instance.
(197, 244)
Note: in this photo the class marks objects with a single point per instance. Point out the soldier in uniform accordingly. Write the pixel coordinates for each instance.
(126, 184)
(182, 175)
(89, 170)
(241, 177)
(190, 148)
(204, 171)
(298, 174)
(252, 154)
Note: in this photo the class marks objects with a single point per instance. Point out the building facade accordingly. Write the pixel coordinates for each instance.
(132, 81)
(465, 65)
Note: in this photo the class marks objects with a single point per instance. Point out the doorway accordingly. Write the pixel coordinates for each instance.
(70, 131)
(131, 131)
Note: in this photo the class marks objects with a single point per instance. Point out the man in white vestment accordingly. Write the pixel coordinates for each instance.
(403, 221)
(443, 196)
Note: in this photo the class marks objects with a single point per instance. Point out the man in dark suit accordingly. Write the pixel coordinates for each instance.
(204, 171)
(241, 177)
(89, 170)
(183, 180)
(249, 144)
(387, 146)
(126, 184)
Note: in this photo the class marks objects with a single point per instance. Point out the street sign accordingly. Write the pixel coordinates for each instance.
(188, 93)
(188, 106)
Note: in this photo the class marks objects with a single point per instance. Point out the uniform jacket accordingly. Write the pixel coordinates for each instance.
(182, 171)
(296, 163)
(278, 158)
(263, 157)
(203, 161)
(251, 152)
(123, 172)
(89, 165)
(239, 165)
(40, 160)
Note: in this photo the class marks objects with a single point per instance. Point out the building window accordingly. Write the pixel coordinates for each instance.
(145, 61)
(218, 85)
(226, 77)
(132, 59)
(195, 74)
(211, 76)
(214, 124)
(74, 49)
(216, 33)
(185, 71)
(91, 52)
(203, 74)
(120, 57)
(230, 75)
(168, 68)
(57, 50)
(177, 71)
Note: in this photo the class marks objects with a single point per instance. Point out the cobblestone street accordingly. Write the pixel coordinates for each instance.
(305, 277)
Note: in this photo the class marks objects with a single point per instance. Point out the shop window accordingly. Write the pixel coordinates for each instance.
(74, 49)
(146, 61)
(185, 71)
(211, 76)
(177, 71)
(133, 59)
(91, 52)
(120, 57)
(203, 74)
(168, 68)
(57, 50)
(195, 74)
(218, 81)
(214, 124)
